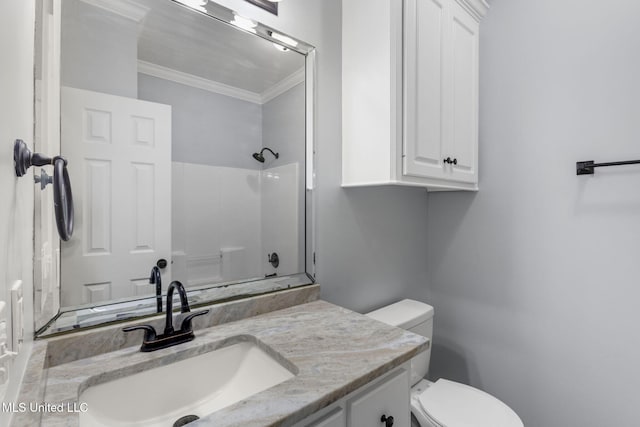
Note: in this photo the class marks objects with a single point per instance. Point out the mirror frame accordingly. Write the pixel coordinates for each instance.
(96, 315)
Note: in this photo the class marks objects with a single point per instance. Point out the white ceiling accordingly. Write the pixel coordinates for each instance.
(178, 38)
(181, 39)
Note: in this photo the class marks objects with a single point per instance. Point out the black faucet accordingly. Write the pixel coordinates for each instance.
(156, 279)
(184, 304)
(170, 337)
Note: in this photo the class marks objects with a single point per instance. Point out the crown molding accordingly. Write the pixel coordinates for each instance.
(125, 8)
(283, 85)
(478, 8)
(176, 76)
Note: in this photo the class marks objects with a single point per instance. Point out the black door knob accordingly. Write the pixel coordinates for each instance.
(388, 421)
(274, 259)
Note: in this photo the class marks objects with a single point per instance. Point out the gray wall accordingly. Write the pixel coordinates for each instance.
(283, 127)
(16, 209)
(371, 242)
(99, 50)
(534, 279)
(207, 128)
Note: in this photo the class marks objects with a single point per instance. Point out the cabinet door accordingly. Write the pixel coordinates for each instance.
(425, 129)
(389, 398)
(463, 144)
(335, 418)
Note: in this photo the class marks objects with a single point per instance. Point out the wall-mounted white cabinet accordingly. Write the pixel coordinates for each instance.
(410, 93)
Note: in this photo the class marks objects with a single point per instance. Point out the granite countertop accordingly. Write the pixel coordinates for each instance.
(332, 350)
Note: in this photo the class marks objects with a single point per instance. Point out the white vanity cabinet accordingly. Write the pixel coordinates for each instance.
(388, 396)
(410, 93)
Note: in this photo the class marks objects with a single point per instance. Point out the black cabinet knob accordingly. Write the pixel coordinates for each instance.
(162, 263)
(455, 161)
(388, 421)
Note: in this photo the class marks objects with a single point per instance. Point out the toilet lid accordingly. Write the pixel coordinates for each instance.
(452, 404)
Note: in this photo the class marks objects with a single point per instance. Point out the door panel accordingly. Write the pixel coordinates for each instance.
(119, 152)
(464, 75)
(424, 123)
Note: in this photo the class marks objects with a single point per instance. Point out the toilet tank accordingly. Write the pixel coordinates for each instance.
(414, 316)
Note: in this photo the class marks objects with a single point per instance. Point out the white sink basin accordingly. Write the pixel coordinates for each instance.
(197, 386)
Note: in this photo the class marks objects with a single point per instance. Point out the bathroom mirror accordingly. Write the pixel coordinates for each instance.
(188, 135)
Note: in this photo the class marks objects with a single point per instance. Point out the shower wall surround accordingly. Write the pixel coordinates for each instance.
(259, 214)
(202, 253)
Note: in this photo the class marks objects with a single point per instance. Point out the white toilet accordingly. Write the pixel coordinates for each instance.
(443, 403)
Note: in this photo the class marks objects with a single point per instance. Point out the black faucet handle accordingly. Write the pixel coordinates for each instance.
(149, 331)
(186, 322)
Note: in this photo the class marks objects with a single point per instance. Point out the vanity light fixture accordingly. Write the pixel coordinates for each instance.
(270, 6)
(195, 4)
(244, 23)
(282, 38)
(280, 47)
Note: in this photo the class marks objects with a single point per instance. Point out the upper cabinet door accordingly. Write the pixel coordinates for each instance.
(463, 142)
(440, 91)
(410, 93)
(425, 129)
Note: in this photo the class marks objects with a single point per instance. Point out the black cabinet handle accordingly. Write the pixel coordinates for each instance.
(388, 421)
(450, 162)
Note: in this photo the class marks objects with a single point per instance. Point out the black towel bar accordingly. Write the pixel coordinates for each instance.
(587, 168)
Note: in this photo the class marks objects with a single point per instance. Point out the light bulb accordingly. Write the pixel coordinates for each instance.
(284, 39)
(196, 4)
(244, 23)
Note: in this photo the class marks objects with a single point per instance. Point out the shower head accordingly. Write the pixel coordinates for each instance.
(260, 157)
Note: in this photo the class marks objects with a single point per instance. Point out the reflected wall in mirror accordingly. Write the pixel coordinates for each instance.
(185, 138)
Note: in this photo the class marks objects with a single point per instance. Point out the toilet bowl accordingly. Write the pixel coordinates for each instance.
(442, 403)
